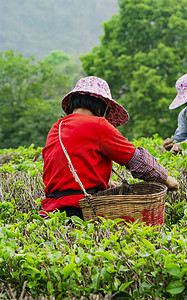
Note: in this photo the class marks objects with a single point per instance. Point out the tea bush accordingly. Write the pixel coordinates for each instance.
(55, 259)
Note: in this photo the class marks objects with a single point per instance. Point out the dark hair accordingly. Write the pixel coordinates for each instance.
(96, 105)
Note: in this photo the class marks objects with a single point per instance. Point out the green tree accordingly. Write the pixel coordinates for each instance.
(142, 53)
(29, 99)
(65, 64)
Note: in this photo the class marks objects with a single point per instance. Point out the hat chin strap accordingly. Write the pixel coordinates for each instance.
(105, 112)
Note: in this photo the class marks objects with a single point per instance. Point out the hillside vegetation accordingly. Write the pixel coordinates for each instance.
(141, 55)
(39, 27)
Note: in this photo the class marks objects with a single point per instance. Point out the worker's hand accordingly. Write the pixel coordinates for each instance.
(112, 184)
(172, 184)
(168, 144)
(176, 147)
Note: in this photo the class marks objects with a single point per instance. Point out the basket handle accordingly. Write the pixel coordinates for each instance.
(77, 179)
(123, 180)
(124, 183)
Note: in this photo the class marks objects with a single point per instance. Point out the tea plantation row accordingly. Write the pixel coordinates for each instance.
(52, 259)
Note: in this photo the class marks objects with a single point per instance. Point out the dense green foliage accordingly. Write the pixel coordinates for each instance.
(38, 27)
(65, 64)
(30, 94)
(52, 258)
(141, 55)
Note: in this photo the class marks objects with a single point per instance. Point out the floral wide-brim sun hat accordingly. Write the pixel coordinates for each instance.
(181, 98)
(97, 87)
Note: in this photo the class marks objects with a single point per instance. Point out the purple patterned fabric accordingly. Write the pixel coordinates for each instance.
(98, 88)
(181, 98)
(146, 167)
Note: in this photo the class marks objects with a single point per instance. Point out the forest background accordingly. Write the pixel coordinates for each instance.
(141, 53)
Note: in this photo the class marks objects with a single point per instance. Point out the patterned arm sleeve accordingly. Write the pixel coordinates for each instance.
(146, 167)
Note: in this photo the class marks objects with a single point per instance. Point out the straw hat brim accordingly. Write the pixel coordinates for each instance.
(178, 101)
(117, 116)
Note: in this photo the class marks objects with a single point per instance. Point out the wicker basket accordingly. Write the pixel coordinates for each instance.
(145, 202)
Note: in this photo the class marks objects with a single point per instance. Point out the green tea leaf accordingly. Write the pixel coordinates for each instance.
(125, 285)
(35, 216)
(105, 275)
(175, 287)
(183, 145)
(56, 255)
(95, 281)
(50, 287)
(107, 255)
(78, 220)
(173, 269)
(68, 270)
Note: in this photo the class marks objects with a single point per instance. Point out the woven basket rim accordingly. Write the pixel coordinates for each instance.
(124, 197)
(100, 200)
(145, 183)
(149, 183)
(132, 197)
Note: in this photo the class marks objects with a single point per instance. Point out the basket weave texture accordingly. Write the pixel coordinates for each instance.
(144, 201)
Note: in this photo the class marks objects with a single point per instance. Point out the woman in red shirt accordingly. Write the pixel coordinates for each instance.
(92, 142)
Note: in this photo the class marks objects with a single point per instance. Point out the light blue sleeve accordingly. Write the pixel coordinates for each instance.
(181, 132)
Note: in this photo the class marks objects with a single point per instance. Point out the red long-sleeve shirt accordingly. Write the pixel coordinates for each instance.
(92, 144)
